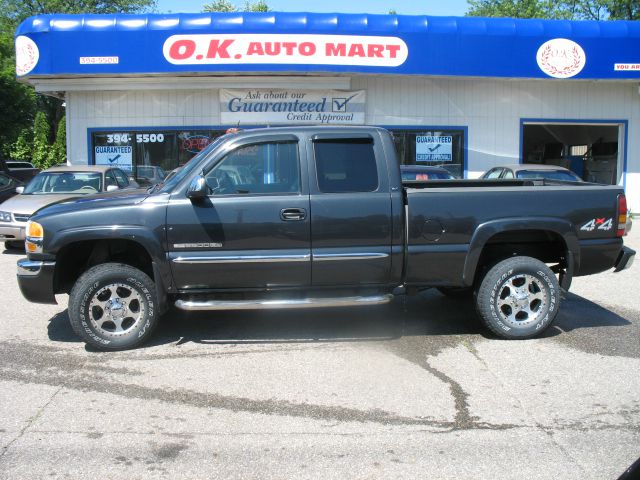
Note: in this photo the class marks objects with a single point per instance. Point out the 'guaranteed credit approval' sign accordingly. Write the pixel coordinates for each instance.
(434, 148)
(115, 156)
(274, 106)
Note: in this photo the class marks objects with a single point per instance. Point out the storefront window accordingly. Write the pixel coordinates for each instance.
(436, 147)
(148, 156)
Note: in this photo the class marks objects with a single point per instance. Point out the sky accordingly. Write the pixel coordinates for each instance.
(408, 7)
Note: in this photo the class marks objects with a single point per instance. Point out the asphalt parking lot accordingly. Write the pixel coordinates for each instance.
(413, 390)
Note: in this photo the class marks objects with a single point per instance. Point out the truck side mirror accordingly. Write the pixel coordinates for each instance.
(112, 188)
(198, 188)
(19, 190)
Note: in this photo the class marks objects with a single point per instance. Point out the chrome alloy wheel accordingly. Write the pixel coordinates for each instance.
(116, 309)
(521, 300)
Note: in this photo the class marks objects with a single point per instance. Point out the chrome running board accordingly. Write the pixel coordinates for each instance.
(262, 304)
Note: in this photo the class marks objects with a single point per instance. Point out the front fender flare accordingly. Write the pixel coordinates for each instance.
(135, 233)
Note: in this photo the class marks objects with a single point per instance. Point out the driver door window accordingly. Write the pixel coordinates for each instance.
(5, 181)
(265, 168)
(495, 173)
(110, 180)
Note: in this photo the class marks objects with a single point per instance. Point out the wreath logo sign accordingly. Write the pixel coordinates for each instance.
(561, 58)
(27, 55)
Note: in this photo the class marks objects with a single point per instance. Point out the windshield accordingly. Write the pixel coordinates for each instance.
(64, 182)
(188, 167)
(550, 174)
(150, 172)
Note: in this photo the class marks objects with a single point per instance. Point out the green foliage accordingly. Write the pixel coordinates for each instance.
(566, 9)
(58, 152)
(41, 147)
(257, 6)
(623, 9)
(15, 11)
(220, 6)
(392, 12)
(18, 102)
(514, 8)
(22, 147)
(227, 6)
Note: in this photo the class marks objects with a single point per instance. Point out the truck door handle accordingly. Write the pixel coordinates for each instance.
(293, 214)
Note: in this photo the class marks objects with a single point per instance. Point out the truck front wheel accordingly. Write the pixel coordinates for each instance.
(518, 298)
(113, 306)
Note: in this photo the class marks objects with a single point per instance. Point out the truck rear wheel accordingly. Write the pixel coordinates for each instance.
(518, 298)
(112, 306)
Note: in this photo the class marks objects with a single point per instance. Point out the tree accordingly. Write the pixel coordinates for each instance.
(564, 9)
(623, 9)
(58, 152)
(18, 102)
(41, 141)
(22, 149)
(227, 6)
(220, 6)
(515, 8)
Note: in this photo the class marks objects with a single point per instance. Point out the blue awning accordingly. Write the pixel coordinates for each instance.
(305, 43)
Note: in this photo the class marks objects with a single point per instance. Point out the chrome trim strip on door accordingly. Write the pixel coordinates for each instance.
(330, 257)
(243, 259)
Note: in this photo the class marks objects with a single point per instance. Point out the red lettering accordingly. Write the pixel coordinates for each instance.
(255, 48)
(393, 50)
(218, 49)
(357, 50)
(182, 49)
(307, 48)
(289, 46)
(336, 49)
(272, 48)
(375, 51)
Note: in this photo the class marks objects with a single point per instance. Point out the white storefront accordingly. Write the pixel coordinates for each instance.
(467, 119)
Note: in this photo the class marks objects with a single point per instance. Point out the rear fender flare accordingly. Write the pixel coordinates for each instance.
(485, 231)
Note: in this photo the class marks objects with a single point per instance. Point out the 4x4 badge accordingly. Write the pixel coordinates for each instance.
(598, 224)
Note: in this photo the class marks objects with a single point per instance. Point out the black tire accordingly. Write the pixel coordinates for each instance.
(518, 298)
(14, 245)
(113, 306)
(456, 292)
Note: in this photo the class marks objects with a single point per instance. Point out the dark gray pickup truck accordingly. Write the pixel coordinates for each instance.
(306, 217)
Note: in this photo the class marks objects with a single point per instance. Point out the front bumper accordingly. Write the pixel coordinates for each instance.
(12, 231)
(625, 259)
(35, 279)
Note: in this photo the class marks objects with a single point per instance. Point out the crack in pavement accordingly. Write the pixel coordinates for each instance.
(547, 430)
(26, 363)
(418, 352)
(30, 422)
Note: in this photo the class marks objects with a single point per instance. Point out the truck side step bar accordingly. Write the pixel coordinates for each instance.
(262, 304)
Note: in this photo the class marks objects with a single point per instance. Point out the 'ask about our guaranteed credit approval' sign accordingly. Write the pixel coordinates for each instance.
(275, 106)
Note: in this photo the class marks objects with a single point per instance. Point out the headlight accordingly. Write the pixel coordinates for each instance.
(34, 237)
(5, 217)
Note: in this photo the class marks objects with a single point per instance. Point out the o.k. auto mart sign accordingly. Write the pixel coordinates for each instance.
(275, 106)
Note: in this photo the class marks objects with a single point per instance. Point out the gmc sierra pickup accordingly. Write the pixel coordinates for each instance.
(306, 217)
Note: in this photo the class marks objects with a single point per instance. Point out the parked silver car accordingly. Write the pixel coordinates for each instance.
(529, 170)
(51, 186)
